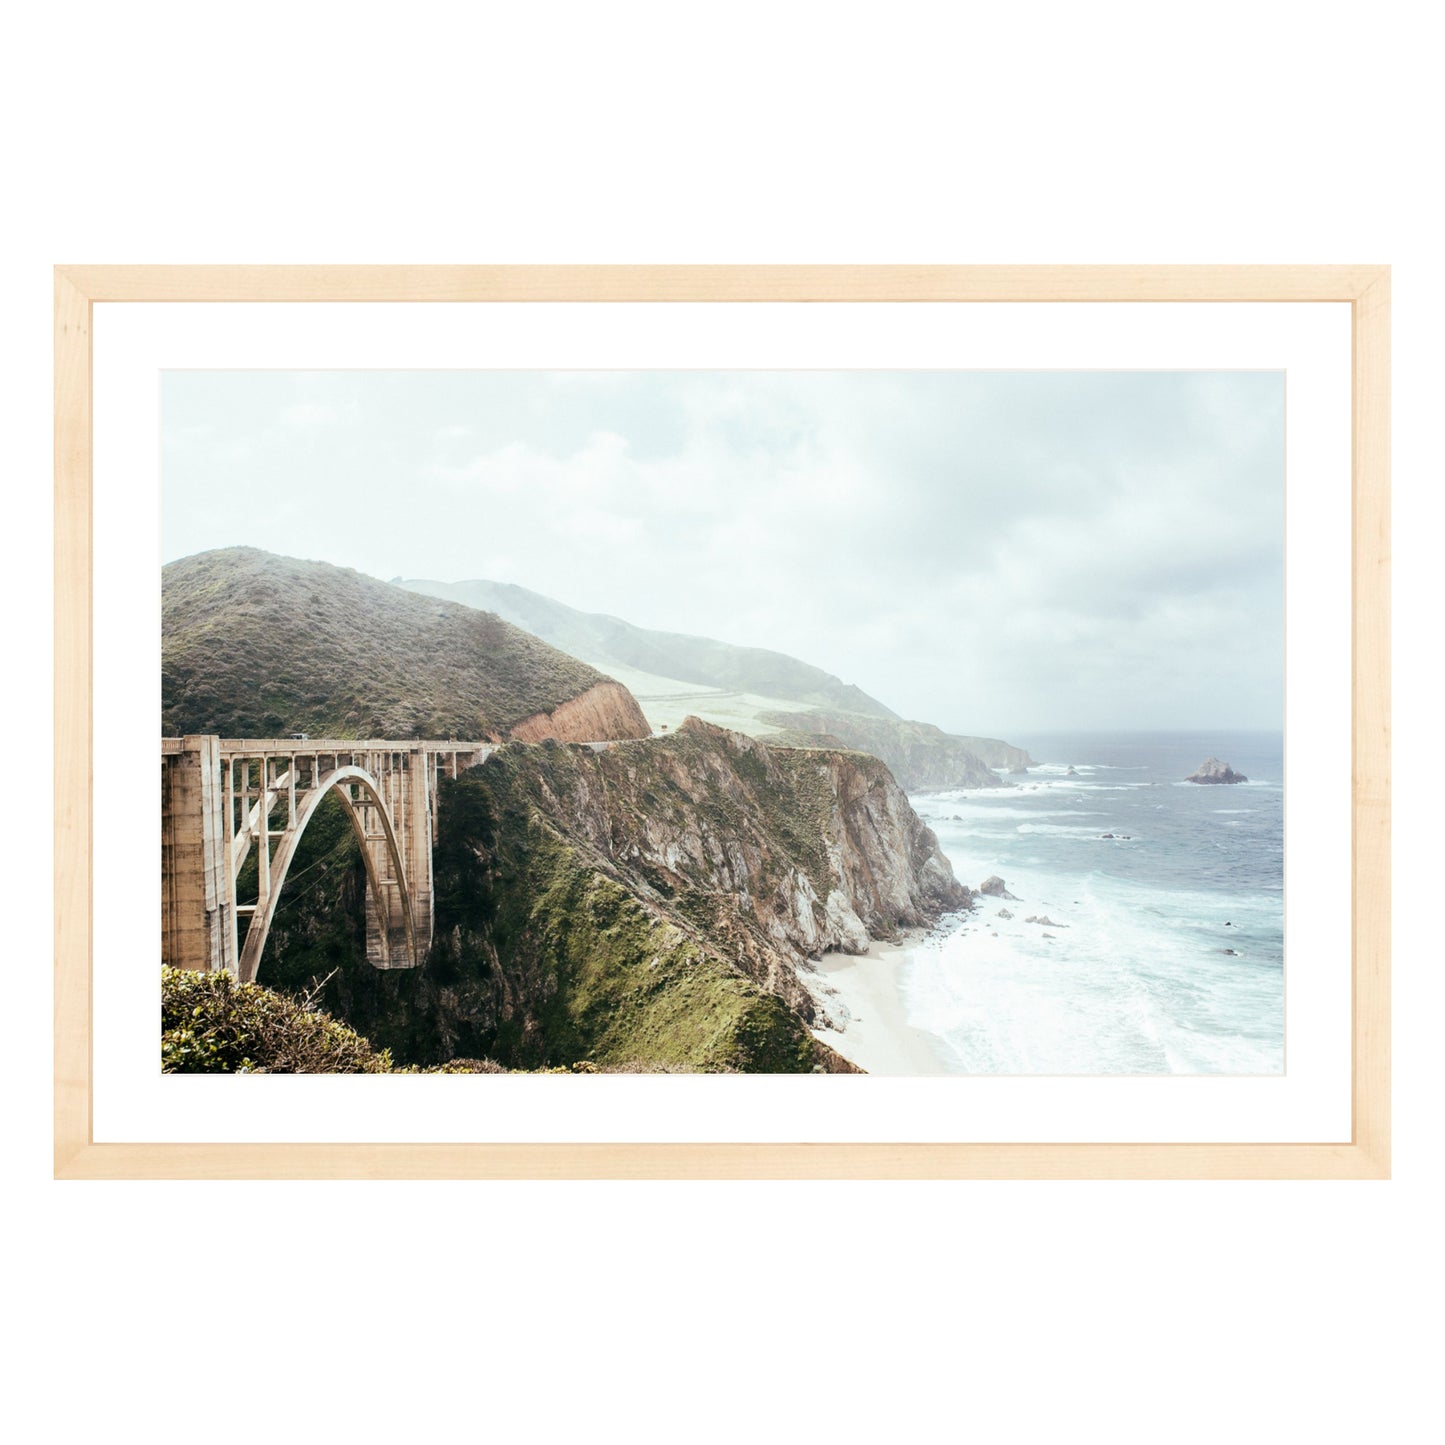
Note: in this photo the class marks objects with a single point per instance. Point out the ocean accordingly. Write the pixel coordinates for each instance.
(1164, 947)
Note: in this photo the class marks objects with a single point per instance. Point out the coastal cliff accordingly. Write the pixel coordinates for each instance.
(649, 903)
(922, 757)
(786, 852)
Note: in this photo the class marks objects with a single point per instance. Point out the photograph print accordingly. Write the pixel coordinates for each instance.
(888, 722)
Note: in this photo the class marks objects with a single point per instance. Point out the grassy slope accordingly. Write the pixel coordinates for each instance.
(255, 645)
(633, 987)
(609, 641)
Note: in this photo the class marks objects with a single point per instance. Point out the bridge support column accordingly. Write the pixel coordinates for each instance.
(405, 784)
(197, 902)
(386, 941)
(420, 814)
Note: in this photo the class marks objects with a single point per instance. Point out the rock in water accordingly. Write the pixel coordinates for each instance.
(1211, 770)
(994, 887)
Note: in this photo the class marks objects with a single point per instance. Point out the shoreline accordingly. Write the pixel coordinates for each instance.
(861, 993)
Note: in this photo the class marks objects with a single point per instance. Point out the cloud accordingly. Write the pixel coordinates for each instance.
(309, 415)
(985, 550)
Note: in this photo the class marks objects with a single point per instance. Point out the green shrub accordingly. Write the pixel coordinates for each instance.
(210, 1024)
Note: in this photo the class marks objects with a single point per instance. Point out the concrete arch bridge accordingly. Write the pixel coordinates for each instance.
(223, 797)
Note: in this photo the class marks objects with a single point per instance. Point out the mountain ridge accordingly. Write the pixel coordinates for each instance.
(600, 638)
(813, 708)
(258, 645)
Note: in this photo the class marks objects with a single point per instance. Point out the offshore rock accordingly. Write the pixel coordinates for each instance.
(1211, 770)
(994, 887)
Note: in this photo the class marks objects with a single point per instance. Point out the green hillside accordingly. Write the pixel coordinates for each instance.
(256, 645)
(610, 642)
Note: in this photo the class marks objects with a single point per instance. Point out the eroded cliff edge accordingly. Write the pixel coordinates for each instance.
(651, 903)
(605, 710)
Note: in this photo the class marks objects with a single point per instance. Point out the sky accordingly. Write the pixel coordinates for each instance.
(993, 552)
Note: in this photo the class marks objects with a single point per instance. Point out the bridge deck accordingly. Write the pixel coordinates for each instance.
(256, 747)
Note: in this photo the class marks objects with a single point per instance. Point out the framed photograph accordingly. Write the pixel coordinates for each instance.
(729, 722)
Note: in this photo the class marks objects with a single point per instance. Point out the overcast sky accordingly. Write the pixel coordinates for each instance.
(995, 552)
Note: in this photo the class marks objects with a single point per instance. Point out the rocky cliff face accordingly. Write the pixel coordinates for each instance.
(605, 712)
(766, 856)
(996, 753)
(651, 904)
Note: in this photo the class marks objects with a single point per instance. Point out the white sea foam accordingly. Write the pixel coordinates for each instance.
(1160, 958)
(1243, 783)
(1112, 991)
(1057, 829)
(1077, 785)
(972, 814)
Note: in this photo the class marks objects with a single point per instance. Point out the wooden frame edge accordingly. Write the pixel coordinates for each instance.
(723, 1161)
(720, 283)
(72, 685)
(1367, 1155)
(1370, 716)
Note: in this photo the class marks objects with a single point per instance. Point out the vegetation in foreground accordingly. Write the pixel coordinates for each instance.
(210, 1024)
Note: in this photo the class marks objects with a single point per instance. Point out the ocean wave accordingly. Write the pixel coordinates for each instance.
(1061, 830)
(1073, 785)
(1245, 783)
(986, 812)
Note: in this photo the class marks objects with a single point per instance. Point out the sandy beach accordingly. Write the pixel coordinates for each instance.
(860, 994)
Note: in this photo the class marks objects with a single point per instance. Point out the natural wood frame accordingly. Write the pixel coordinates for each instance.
(1366, 1155)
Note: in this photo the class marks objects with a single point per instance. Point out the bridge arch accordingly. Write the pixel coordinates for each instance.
(217, 800)
(341, 781)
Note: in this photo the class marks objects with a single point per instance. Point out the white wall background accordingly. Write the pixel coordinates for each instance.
(630, 132)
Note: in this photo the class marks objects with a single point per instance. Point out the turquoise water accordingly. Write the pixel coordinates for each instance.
(1164, 951)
